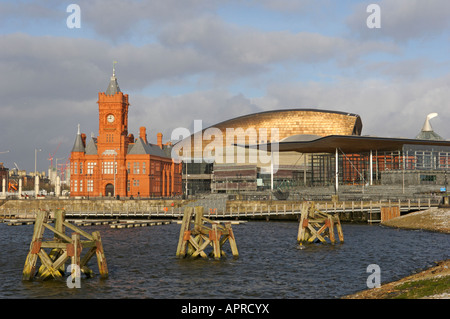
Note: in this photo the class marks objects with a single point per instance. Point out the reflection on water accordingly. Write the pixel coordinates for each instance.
(142, 263)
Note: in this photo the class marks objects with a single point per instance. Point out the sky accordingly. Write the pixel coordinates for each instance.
(209, 60)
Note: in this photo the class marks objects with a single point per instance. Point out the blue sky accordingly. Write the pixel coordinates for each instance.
(214, 60)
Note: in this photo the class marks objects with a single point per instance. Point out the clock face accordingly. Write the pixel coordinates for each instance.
(110, 118)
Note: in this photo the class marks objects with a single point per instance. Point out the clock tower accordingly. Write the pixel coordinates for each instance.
(112, 141)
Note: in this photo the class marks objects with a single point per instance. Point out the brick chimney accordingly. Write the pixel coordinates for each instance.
(143, 133)
(159, 140)
(83, 138)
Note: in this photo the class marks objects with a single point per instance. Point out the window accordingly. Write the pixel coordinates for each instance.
(90, 185)
(81, 170)
(427, 179)
(81, 185)
(90, 167)
(136, 168)
(128, 167)
(143, 167)
(107, 167)
(128, 185)
(75, 187)
(75, 168)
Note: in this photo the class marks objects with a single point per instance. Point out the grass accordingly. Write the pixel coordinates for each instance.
(421, 288)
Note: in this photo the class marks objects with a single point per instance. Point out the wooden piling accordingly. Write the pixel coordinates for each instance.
(193, 241)
(63, 248)
(35, 246)
(316, 225)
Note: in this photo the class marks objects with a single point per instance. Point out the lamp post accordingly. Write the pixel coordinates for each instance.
(35, 159)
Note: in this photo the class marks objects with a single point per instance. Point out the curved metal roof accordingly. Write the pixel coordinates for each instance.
(347, 144)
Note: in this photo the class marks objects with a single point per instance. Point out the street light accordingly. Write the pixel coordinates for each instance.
(35, 159)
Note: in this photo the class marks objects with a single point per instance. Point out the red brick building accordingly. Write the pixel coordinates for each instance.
(117, 164)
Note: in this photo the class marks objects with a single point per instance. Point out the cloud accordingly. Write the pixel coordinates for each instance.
(211, 107)
(118, 20)
(403, 20)
(387, 108)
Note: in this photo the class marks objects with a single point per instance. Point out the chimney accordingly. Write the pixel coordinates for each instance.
(143, 133)
(159, 139)
(83, 138)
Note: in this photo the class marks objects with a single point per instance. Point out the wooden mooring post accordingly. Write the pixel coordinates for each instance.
(62, 248)
(193, 241)
(316, 225)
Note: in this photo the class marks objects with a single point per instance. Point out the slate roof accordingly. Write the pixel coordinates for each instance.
(140, 147)
(91, 148)
(113, 86)
(78, 145)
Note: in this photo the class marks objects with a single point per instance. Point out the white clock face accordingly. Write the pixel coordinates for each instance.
(110, 118)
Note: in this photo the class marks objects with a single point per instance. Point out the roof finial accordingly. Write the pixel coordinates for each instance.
(78, 129)
(427, 126)
(114, 68)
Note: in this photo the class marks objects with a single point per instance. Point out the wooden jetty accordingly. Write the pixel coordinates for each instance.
(18, 222)
(316, 225)
(348, 211)
(62, 248)
(193, 241)
(140, 223)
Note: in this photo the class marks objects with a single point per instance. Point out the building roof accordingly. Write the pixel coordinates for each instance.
(427, 132)
(140, 147)
(113, 86)
(429, 135)
(78, 146)
(272, 126)
(347, 144)
(91, 148)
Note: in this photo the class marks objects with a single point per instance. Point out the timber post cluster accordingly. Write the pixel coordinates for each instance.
(63, 248)
(316, 225)
(193, 241)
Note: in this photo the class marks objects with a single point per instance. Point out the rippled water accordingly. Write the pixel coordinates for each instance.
(142, 263)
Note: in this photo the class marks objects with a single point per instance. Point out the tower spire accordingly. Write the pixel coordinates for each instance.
(78, 146)
(114, 68)
(113, 86)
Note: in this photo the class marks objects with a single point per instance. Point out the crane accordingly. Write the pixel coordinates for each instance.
(50, 156)
(63, 169)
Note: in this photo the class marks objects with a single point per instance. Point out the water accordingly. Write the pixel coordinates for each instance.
(142, 263)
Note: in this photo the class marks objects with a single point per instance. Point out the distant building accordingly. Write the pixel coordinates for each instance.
(115, 163)
(243, 174)
(314, 148)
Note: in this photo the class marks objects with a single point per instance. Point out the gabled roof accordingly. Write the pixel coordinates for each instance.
(140, 147)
